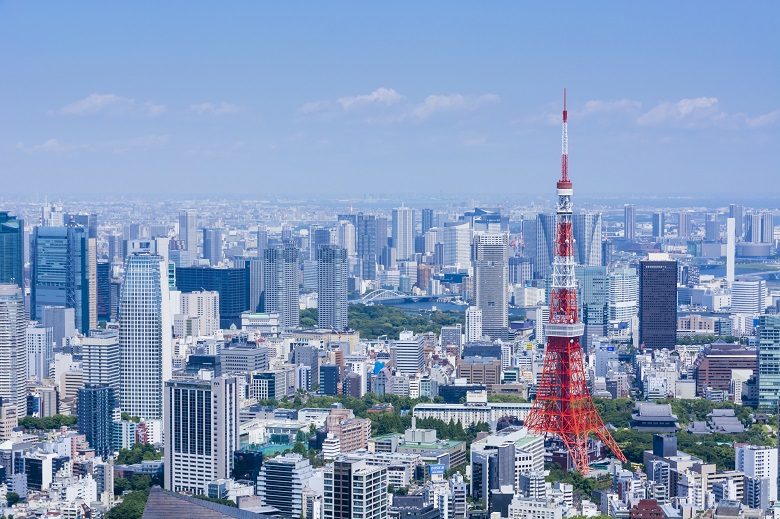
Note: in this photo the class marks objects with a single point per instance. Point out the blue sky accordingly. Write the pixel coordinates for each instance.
(352, 98)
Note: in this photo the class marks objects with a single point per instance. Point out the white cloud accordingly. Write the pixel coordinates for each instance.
(48, 146)
(447, 103)
(221, 108)
(763, 120)
(382, 95)
(597, 106)
(144, 141)
(685, 112)
(111, 104)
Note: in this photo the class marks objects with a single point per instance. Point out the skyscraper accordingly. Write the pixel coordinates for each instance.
(457, 245)
(629, 222)
(587, 228)
(593, 301)
(103, 276)
(64, 273)
(212, 245)
(188, 229)
(280, 283)
(623, 301)
(427, 220)
(684, 224)
(144, 336)
(769, 362)
(368, 246)
(262, 239)
(232, 284)
(332, 287)
(96, 408)
(201, 432)
(658, 303)
(737, 212)
(711, 227)
(406, 354)
(473, 324)
(11, 249)
(254, 266)
(356, 490)
(40, 354)
(748, 295)
(658, 222)
(101, 359)
(491, 279)
(403, 232)
(13, 351)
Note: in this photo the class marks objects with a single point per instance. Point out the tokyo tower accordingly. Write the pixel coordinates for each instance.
(563, 406)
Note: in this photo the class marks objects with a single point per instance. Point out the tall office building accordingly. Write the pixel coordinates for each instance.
(369, 245)
(201, 432)
(13, 350)
(319, 237)
(281, 482)
(103, 304)
(403, 232)
(456, 245)
(95, 412)
(658, 303)
(427, 220)
(737, 212)
(769, 362)
(64, 273)
(629, 222)
(262, 239)
(332, 287)
(88, 221)
(100, 359)
(473, 324)
(406, 354)
(593, 301)
(232, 284)
(61, 320)
(255, 269)
(748, 295)
(212, 245)
(684, 224)
(11, 249)
(544, 245)
(355, 490)
(188, 231)
(711, 227)
(731, 245)
(144, 336)
(52, 215)
(204, 305)
(280, 283)
(658, 224)
(588, 231)
(346, 237)
(40, 351)
(760, 227)
(491, 280)
(623, 303)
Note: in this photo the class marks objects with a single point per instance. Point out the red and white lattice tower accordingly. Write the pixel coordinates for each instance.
(563, 406)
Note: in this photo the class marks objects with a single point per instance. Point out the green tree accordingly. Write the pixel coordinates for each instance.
(299, 448)
(121, 485)
(226, 502)
(132, 506)
(12, 498)
(140, 452)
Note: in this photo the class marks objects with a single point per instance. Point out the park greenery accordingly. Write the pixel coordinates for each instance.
(380, 320)
(48, 423)
(706, 339)
(226, 502)
(583, 487)
(131, 507)
(140, 452)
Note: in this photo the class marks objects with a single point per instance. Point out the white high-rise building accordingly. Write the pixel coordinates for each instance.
(748, 295)
(101, 359)
(188, 231)
(760, 462)
(731, 238)
(13, 348)
(40, 354)
(201, 432)
(346, 237)
(457, 246)
(406, 354)
(491, 281)
(205, 306)
(473, 324)
(280, 283)
(403, 232)
(144, 336)
(623, 300)
(332, 266)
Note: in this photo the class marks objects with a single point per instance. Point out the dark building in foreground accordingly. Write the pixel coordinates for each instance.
(658, 304)
(231, 283)
(96, 406)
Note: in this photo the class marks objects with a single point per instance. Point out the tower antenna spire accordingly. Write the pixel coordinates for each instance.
(565, 142)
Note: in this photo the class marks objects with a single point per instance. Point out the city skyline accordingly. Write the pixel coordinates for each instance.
(285, 102)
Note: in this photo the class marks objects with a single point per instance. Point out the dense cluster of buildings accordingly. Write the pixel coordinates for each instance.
(183, 331)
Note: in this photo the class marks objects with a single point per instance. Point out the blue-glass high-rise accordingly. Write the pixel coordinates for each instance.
(11, 249)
